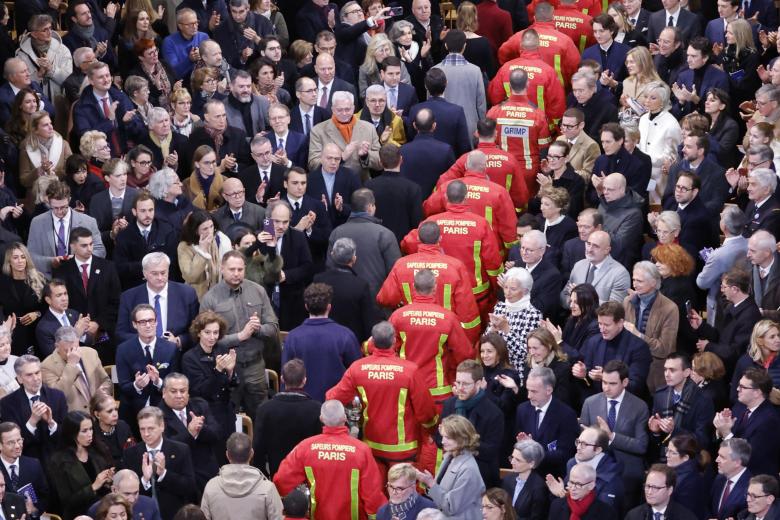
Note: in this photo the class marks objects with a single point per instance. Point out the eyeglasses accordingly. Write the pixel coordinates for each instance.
(234, 194)
(756, 164)
(150, 321)
(354, 11)
(144, 163)
(555, 156)
(309, 91)
(752, 496)
(650, 487)
(568, 127)
(684, 189)
(578, 443)
(395, 489)
(741, 387)
(188, 24)
(579, 485)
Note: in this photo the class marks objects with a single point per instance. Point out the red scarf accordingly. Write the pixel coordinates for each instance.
(580, 507)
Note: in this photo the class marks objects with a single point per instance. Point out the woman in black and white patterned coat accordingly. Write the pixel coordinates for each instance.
(515, 317)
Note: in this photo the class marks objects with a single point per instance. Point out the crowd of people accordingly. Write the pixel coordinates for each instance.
(492, 259)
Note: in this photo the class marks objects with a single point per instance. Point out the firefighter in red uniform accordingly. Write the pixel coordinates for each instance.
(397, 406)
(341, 472)
(467, 237)
(453, 285)
(589, 7)
(485, 198)
(500, 168)
(543, 85)
(575, 24)
(521, 128)
(431, 336)
(556, 48)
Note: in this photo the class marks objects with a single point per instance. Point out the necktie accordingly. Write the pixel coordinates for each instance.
(183, 417)
(725, 497)
(297, 206)
(676, 397)
(145, 234)
(612, 414)
(237, 216)
(324, 97)
(392, 96)
(656, 516)
(671, 21)
(537, 422)
(114, 138)
(281, 144)
(158, 313)
(632, 21)
(148, 350)
(84, 276)
(116, 206)
(152, 454)
(14, 477)
(64, 320)
(83, 380)
(591, 273)
(307, 123)
(106, 109)
(61, 248)
(34, 399)
(264, 175)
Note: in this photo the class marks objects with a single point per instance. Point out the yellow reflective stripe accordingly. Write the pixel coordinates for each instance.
(439, 363)
(364, 398)
(365, 348)
(508, 182)
(489, 215)
(402, 351)
(506, 88)
(402, 394)
(540, 97)
(585, 11)
(471, 324)
(447, 296)
(354, 480)
(544, 140)
(496, 272)
(391, 448)
(312, 489)
(481, 288)
(557, 68)
(583, 41)
(509, 245)
(407, 291)
(439, 457)
(478, 263)
(442, 390)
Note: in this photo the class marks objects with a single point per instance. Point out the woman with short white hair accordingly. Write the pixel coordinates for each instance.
(515, 317)
(660, 135)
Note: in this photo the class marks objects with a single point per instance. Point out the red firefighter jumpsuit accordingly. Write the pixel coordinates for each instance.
(556, 49)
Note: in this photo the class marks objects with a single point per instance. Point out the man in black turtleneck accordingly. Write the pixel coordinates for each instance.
(598, 105)
(670, 60)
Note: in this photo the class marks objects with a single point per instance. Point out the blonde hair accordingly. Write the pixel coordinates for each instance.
(468, 19)
(743, 35)
(460, 430)
(403, 470)
(545, 337)
(88, 140)
(760, 329)
(370, 65)
(33, 277)
(644, 64)
(558, 196)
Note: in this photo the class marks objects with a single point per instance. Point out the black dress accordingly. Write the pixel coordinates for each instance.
(556, 236)
(726, 132)
(479, 53)
(506, 400)
(16, 297)
(116, 441)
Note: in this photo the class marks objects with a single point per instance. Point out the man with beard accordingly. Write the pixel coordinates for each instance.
(245, 111)
(241, 32)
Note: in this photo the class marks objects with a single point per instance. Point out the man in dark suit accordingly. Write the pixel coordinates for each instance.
(326, 44)
(670, 60)
(93, 289)
(638, 16)
(316, 16)
(588, 221)
(177, 302)
(763, 210)
(616, 159)
(426, 158)
(287, 295)
(697, 226)
(13, 505)
(37, 406)
(598, 106)
(294, 149)
(112, 209)
(128, 484)
(398, 199)
(714, 189)
(673, 15)
(728, 495)
(351, 32)
(328, 82)
(701, 75)
(352, 305)
(334, 184)
(400, 96)
(764, 11)
(238, 209)
(189, 421)
(754, 419)
(142, 236)
(17, 76)
(450, 119)
(659, 487)
(157, 457)
(307, 113)
(55, 294)
(142, 363)
(547, 420)
(428, 25)
(19, 470)
(264, 179)
(309, 214)
(548, 281)
(765, 276)
(233, 154)
(592, 448)
(680, 406)
(486, 416)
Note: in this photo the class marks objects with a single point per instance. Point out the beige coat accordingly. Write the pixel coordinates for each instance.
(57, 374)
(326, 132)
(194, 192)
(241, 492)
(30, 159)
(583, 155)
(200, 268)
(660, 334)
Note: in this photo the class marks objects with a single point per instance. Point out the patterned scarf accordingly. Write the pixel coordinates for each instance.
(218, 136)
(399, 510)
(160, 80)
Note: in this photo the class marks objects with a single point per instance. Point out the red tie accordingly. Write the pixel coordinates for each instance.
(84, 276)
(726, 493)
(106, 109)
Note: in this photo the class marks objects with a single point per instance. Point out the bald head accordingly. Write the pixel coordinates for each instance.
(233, 193)
(598, 246)
(614, 187)
(325, 67)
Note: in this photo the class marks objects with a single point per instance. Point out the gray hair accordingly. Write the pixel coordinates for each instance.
(476, 161)
(346, 7)
(342, 95)
(663, 90)
(161, 181)
(240, 73)
(522, 276)
(770, 91)
(332, 413)
(176, 376)
(9, 66)
(157, 114)
(650, 269)
(23, 361)
(588, 472)
(65, 334)
(734, 219)
(532, 451)
(545, 374)
(397, 29)
(763, 239)
(238, 3)
(424, 281)
(383, 334)
(585, 74)
(539, 238)
(740, 449)
(155, 258)
(671, 219)
(765, 177)
(80, 54)
(181, 12)
(259, 140)
(376, 89)
(133, 84)
(763, 151)
(343, 251)
(123, 474)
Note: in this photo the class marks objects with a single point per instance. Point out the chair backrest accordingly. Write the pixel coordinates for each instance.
(273, 379)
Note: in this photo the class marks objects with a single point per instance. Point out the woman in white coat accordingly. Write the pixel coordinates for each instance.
(457, 488)
(660, 135)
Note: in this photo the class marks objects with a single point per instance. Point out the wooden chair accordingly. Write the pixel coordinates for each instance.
(51, 516)
(273, 379)
(503, 472)
(247, 427)
(448, 13)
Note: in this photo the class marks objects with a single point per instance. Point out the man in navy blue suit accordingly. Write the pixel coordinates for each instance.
(17, 75)
(86, 30)
(142, 363)
(19, 470)
(307, 113)
(728, 495)
(291, 148)
(400, 96)
(609, 53)
(450, 119)
(127, 484)
(55, 294)
(37, 409)
(426, 158)
(714, 188)
(308, 215)
(754, 419)
(548, 421)
(333, 184)
(177, 302)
